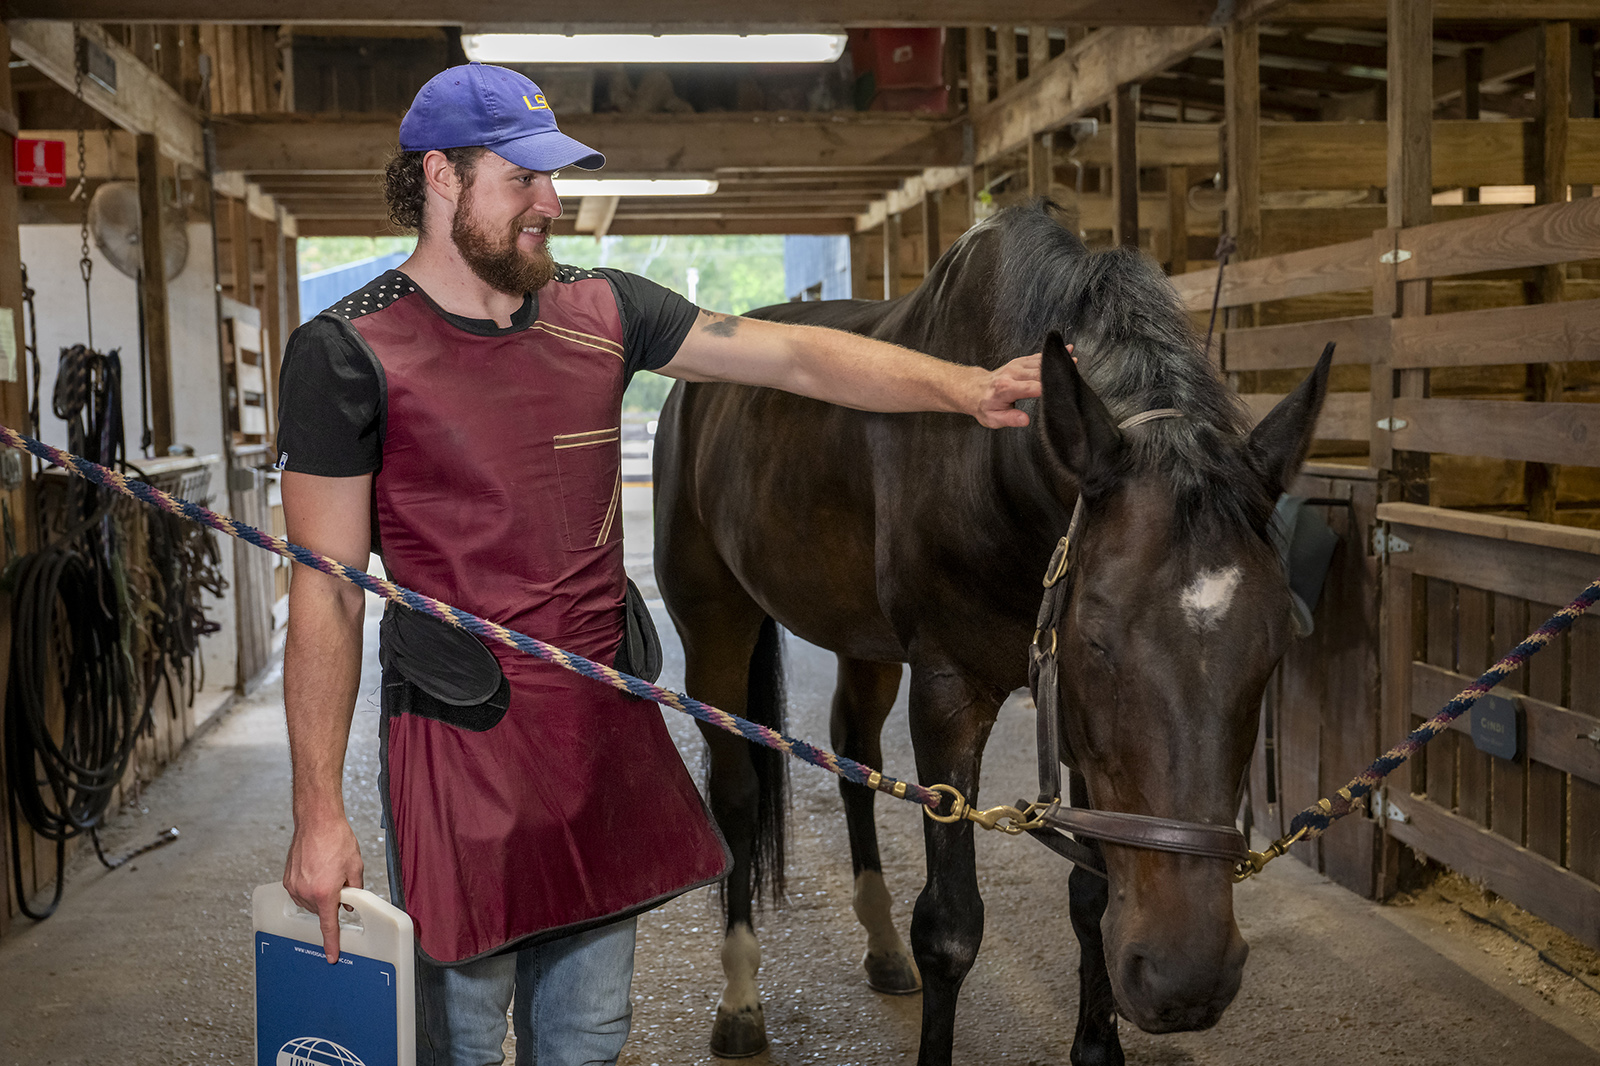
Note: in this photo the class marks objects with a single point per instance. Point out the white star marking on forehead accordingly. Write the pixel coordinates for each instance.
(1209, 596)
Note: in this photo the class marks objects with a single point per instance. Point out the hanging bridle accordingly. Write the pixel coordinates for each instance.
(1047, 818)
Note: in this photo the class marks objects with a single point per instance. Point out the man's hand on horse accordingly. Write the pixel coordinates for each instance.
(999, 391)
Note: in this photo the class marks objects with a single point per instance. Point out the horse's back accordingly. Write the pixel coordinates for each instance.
(774, 491)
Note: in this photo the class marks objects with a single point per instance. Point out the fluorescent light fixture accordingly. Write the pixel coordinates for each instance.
(634, 187)
(650, 48)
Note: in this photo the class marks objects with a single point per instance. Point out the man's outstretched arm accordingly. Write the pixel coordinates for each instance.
(850, 370)
(321, 676)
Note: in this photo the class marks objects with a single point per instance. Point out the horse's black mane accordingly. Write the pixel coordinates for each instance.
(1138, 351)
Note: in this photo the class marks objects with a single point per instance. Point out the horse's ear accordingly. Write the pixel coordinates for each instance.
(1279, 443)
(1078, 428)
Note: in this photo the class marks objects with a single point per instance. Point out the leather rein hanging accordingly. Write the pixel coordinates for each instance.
(1048, 820)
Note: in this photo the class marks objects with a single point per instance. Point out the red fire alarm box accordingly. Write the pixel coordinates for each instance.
(41, 163)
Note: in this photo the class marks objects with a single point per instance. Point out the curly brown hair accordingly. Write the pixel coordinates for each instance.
(405, 188)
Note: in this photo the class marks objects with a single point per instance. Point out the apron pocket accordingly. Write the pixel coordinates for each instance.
(589, 468)
(433, 669)
(405, 697)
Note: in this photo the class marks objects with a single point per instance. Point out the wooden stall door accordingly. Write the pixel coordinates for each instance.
(1523, 821)
(1319, 718)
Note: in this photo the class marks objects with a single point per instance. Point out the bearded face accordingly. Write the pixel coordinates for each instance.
(492, 251)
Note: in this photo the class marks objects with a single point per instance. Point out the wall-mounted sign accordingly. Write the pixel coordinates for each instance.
(41, 163)
(1494, 726)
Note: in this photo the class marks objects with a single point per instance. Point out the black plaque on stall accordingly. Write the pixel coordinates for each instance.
(1494, 726)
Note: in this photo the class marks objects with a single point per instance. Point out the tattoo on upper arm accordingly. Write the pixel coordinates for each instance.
(721, 325)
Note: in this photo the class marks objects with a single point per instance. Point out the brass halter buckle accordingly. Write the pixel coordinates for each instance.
(1258, 859)
(1010, 820)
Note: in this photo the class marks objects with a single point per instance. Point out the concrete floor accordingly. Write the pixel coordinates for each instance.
(151, 963)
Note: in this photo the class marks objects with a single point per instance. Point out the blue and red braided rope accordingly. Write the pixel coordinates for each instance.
(754, 732)
(1315, 819)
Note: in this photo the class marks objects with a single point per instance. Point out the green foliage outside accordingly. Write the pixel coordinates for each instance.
(316, 254)
(736, 274)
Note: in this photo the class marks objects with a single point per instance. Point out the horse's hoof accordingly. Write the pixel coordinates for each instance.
(739, 1034)
(895, 975)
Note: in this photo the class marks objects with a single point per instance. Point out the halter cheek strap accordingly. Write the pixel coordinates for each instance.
(1133, 830)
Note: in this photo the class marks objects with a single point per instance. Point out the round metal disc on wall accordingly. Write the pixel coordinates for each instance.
(114, 222)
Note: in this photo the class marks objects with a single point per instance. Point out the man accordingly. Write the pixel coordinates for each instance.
(461, 416)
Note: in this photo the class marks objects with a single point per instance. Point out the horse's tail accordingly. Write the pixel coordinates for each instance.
(765, 705)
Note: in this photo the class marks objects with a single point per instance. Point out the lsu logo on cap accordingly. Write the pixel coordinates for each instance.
(537, 103)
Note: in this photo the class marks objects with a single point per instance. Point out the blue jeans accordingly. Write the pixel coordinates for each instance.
(572, 1003)
(572, 1000)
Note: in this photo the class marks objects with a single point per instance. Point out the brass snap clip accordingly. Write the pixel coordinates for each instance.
(1007, 819)
(1258, 860)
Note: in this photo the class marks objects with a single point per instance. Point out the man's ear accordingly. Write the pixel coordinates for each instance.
(440, 175)
(1077, 427)
(1279, 443)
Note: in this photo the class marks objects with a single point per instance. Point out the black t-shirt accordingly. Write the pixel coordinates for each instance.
(331, 392)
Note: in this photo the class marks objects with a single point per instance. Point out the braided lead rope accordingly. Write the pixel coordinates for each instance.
(1315, 819)
(846, 768)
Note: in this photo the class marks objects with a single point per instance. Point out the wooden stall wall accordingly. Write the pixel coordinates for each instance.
(1466, 392)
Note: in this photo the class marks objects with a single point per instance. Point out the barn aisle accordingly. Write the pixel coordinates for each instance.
(151, 963)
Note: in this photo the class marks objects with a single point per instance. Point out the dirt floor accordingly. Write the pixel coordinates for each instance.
(150, 964)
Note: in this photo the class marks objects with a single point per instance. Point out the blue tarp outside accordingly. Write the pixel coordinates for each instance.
(320, 290)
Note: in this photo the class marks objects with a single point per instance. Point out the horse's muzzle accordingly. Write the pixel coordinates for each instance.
(1172, 992)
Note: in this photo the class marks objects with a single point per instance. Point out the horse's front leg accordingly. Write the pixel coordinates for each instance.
(950, 723)
(1096, 1042)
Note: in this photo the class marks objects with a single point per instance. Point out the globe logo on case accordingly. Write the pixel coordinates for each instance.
(315, 1051)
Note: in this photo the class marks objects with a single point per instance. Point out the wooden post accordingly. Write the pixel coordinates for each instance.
(1038, 48)
(858, 267)
(272, 315)
(1242, 101)
(239, 251)
(153, 290)
(1125, 166)
(891, 256)
(932, 244)
(1552, 86)
(977, 68)
(291, 294)
(1177, 220)
(14, 409)
(1005, 57)
(1041, 168)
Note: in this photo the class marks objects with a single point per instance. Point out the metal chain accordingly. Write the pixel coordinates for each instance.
(85, 264)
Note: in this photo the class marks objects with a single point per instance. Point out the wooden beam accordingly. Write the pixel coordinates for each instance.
(1005, 58)
(1161, 144)
(1241, 47)
(1038, 48)
(1085, 76)
(1567, 332)
(1533, 236)
(891, 257)
(662, 145)
(1409, 197)
(910, 194)
(1125, 165)
(1177, 219)
(143, 102)
(977, 68)
(272, 316)
(1500, 429)
(932, 243)
(1298, 345)
(1334, 268)
(1041, 164)
(1330, 11)
(1552, 87)
(595, 214)
(644, 15)
(153, 292)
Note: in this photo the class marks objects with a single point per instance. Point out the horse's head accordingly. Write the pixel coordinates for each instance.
(1177, 612)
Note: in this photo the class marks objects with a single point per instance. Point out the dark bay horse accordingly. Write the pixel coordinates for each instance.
(923, 538)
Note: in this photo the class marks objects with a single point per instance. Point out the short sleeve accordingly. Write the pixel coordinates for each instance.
(655, 320)
(330, 402)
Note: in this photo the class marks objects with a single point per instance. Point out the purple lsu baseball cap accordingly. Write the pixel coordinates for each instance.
(481, 104)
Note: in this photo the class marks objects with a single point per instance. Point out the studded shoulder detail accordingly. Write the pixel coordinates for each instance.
(570, 274)
(379, 293)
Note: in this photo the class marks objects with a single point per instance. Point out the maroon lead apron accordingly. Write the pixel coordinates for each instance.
(500, 493)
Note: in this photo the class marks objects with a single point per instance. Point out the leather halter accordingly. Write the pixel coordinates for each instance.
(1133, 830)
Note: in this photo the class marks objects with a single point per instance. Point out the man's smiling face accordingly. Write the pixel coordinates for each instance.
(501, 224)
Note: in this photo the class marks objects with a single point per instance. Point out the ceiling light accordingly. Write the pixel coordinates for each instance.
(650, 48)
(634, 187)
